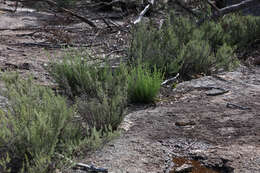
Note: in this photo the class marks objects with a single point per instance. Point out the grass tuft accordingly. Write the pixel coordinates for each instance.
(144, 84)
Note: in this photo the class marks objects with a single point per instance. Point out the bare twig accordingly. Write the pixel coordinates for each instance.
(16, 5)
(115, 51)
(233, 106)
(82, 166)
(141, 15)
(52, 3)
(47, 45)
(170, 80)
(237, 7)
(213, 5)
(229, 9)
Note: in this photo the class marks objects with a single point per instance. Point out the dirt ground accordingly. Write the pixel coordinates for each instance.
(193, 125)
(214, 119)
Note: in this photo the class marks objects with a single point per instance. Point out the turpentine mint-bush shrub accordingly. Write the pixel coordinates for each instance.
(241, 31)
(180, 45)
(33, 126)
(144, 83)
(100, 91)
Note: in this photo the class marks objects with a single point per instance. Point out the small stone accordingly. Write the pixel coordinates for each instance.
(185, 168)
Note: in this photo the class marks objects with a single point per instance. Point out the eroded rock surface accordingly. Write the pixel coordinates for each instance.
(222, 138)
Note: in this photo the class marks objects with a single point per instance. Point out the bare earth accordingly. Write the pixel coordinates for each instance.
(221, 131)
(193, 125)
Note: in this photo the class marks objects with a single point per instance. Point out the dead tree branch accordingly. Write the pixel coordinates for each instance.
(213, 5)
(230, 9)
(52, 3)
(141, 15)
(237, 7)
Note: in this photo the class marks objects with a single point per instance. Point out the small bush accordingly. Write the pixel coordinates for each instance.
(144, 85)
(241, 31)
(32, 126)
(180, 46)
(99, 90)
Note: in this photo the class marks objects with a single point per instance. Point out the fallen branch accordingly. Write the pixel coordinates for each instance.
(42, 28)
(91, 168)
(213, 5)
(47, 45)
(52, 3)
(141, 15)
(237, 7)
(230, 9)
(234, 106)
(82, 166)
(170, 80)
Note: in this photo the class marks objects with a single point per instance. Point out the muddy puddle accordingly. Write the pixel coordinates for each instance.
(189, 166)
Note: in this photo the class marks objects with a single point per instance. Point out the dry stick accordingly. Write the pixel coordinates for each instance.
(104, 20)
(82, 166)
(237, 7)
(170, 80)
(143, 12)
(16, 6)
(47, 45)
(50, 2)
(41, 28)
(230, 9)
(213, 5)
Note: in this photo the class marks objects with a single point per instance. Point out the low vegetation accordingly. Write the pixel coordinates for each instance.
(181, 46)
(99, 90)
(35, 124)
(144, 84)
(39, 126)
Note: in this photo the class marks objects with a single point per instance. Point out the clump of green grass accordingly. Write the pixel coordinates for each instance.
(144, 84)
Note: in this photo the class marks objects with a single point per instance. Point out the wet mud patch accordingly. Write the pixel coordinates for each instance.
(185, 165)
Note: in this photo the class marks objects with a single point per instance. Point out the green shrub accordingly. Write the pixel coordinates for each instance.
(181, 46)
(32, 126)
(99, 90)
(37, 127)
(144, 84)
(241, 31)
